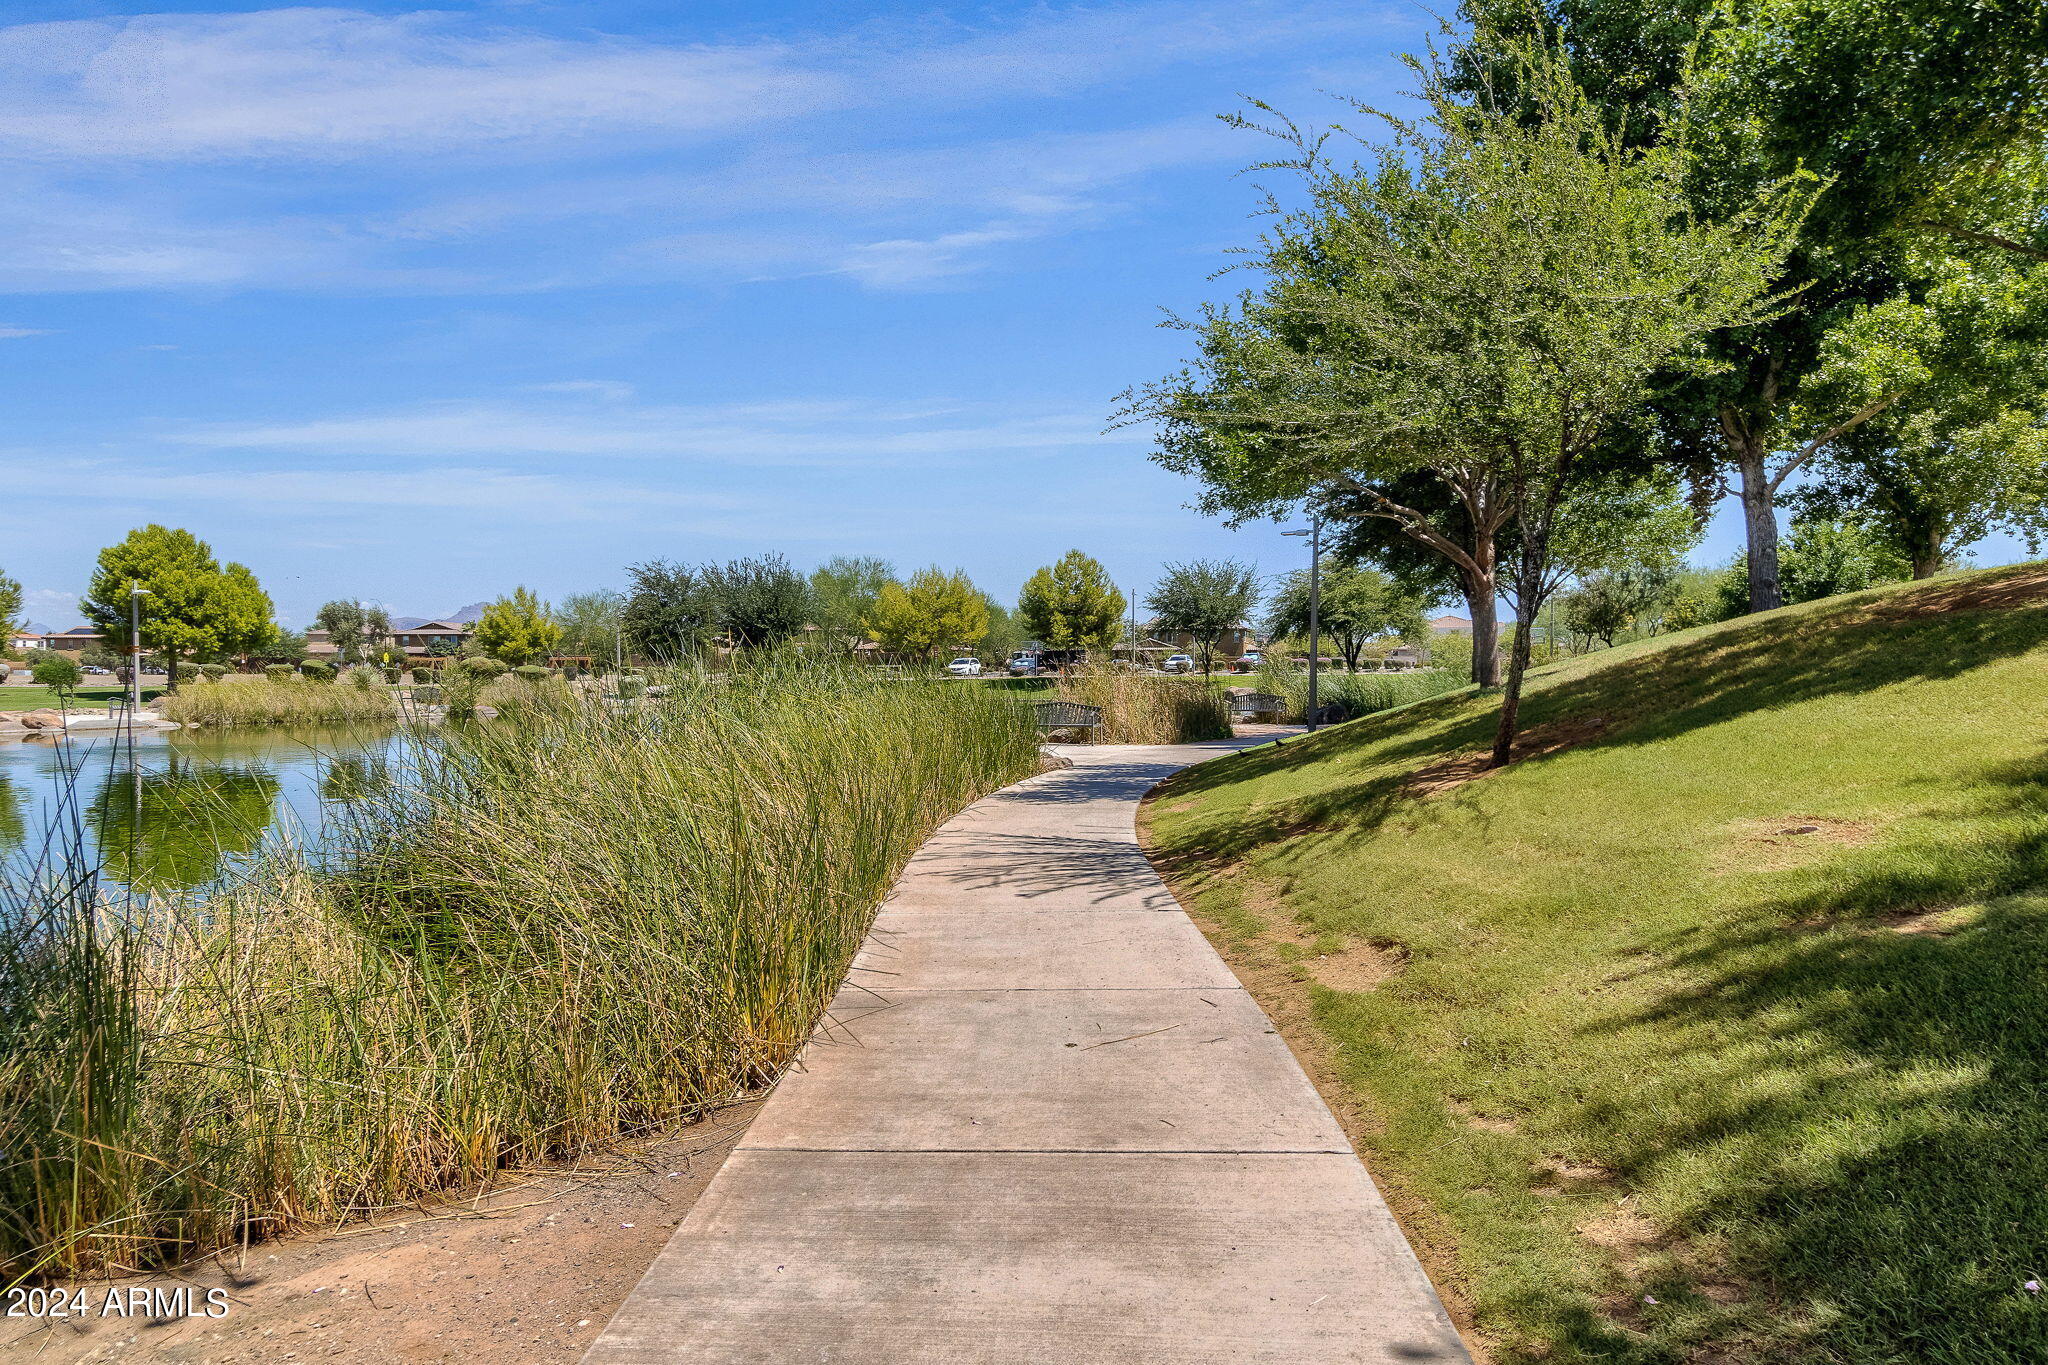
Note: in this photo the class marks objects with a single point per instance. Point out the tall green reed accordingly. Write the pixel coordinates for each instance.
(544, 933)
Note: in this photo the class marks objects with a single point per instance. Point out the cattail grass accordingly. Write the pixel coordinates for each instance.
(1144, 709)
(1356, 694)
(241, 699)
(544, 933)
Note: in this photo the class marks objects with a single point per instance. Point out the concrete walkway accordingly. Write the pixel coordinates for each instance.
(1043, 1124)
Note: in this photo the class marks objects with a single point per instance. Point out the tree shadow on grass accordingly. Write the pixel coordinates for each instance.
(1887, 1182)
(1852, 645)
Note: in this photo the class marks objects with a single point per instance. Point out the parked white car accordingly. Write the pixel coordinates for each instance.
(965, 668)
(1178, 663)
(1251, 660)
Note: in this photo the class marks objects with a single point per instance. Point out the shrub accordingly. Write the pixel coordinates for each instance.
(188, 673)
(316, 670)
(427, 694)
(631, 685)
(362, 677)
(55, 671)
(279, 672)
(393, 674)
(483, 666)
(213, 672)
(532, 673)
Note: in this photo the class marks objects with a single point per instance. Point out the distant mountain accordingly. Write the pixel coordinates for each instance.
(468, 615)
(35, 628)
(408, 622)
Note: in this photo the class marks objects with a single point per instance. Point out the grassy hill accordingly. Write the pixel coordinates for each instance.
(1716, 1027)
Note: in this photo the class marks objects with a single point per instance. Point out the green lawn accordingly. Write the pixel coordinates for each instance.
(86, 698)
(1718, 1034)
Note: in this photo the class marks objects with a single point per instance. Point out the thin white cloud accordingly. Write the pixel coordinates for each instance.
(769, 434)
(10, 333)
(610, 389)
(337, 82)
(483, 491)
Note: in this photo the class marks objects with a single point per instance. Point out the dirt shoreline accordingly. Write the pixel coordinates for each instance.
(525, 1273)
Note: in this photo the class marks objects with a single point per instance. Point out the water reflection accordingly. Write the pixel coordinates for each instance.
(175, 826)
(351, 777)
(10, 816)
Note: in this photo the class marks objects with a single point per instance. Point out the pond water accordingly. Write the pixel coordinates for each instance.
(174, 811)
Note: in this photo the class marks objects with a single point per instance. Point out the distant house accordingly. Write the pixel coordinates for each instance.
(432, 637)
(75, 641)
(416, 640)
(1451, 625)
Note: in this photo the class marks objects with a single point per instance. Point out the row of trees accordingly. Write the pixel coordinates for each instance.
(1619, 269)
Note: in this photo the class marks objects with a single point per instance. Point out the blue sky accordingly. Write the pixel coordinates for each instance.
(416, 305)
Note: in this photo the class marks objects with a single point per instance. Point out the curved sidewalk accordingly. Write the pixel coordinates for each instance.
(1042, 1123)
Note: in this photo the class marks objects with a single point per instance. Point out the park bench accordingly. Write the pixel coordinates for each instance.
(1052, 716)
(1252, 705)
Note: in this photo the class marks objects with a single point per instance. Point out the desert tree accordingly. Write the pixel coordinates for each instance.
(1486, 299)
(1358, 604)
(1204, 599)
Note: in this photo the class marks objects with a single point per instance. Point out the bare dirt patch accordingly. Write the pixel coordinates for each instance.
(1357, 967)
(525, 1274)
(1486, 1123)
(1788, 840)
(1538, 741)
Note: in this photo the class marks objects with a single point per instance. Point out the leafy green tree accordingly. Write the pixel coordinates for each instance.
(355, 629)
(10, 605)
(1491, 298)
(246, 627)
(669, 612)
(592, 623)
(1962, 452)
(1005, 633)
(1925, 121)
(56, 672)
(1610, 601)
(761, 601)
(1358, 604)
(1072, 604)
(195, 609)
(933, 610)
(843, 593)
(518, 629)
(1205, 599)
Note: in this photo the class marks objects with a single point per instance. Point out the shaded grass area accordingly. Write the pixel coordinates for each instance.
(1721, 1026)
(537, 935)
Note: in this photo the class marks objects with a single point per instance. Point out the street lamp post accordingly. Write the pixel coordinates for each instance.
(1315, 604)
(136, 592)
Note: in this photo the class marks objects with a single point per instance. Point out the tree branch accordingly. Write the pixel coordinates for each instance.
(1982, 238)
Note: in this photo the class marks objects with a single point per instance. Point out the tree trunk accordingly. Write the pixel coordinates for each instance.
(1760, 526)
(1925, 553)
(170, 670)
(1481, 603)
(1511, 697)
